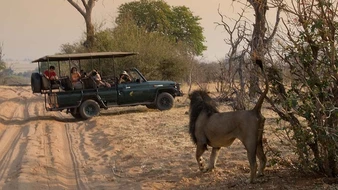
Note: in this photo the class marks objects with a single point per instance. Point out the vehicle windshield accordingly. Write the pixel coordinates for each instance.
(135, 76)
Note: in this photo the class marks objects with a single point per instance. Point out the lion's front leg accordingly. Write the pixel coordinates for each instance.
(200, 161)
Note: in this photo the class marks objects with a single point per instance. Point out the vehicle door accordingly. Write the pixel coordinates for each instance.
(108, 95)
(138, 90)
(134, 92)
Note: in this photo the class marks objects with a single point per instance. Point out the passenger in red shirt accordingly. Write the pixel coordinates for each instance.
(50, 74)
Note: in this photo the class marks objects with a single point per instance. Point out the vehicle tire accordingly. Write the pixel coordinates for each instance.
(75, 112)
(89, 109)
(151, 106)
(165, 101)
(36, 82)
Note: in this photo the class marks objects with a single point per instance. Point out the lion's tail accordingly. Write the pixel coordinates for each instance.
(260, 101)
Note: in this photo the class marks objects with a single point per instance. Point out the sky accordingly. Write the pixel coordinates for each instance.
(30, 29)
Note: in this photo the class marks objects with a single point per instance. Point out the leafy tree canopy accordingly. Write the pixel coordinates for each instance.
(176, 22)
(159, 57)
(157, 54)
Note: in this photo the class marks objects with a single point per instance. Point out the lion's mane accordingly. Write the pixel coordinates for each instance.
(200, 101)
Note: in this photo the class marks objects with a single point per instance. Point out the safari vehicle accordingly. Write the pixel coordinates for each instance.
(86, 102)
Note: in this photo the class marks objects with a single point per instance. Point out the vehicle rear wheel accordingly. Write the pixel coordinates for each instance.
(89, 109)
(75, 112)
(165, 101)
(36, 82)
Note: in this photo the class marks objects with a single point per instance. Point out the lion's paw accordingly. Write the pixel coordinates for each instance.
(210, 169)
(204, 170)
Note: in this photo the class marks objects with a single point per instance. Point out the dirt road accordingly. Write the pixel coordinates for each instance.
(123, 148)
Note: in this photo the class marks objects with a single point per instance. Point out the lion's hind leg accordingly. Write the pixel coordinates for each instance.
(200, 149)
(259, 149)
(251, 146)
(213, 158)
(261, 157)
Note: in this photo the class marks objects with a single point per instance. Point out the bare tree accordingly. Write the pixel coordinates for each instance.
(86, 12)
(238, 34)
(240, 44)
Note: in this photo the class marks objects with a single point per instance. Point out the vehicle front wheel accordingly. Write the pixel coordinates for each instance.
(89, 109)
(165, 101)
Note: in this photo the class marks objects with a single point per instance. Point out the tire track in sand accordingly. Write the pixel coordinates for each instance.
(13, 144)
(59, 161)
(38, 153)
(76, 161)
(14, 138)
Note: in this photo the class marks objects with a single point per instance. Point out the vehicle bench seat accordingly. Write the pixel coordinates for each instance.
(88, 83)
(66, 83)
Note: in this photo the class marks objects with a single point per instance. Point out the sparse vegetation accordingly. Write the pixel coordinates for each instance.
(301, 64)
(309, 102)
(7, 75)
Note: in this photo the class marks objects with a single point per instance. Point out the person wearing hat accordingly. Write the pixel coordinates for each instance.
(124, 77)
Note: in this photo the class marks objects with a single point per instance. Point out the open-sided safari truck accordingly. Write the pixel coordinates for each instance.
(86, 102)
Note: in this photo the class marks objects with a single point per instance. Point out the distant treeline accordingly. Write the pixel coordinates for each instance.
(9, 77)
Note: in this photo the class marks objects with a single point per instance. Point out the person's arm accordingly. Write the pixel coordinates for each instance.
(46, 74)
(99, 77)
(55, 76)
(120, 79)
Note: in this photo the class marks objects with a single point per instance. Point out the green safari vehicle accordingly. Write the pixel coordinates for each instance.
(87, 101)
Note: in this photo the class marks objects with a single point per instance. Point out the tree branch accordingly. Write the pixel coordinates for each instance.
(268, 40)
(85, 4)
(77, 7)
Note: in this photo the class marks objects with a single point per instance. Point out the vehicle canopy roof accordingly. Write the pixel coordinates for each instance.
(78, 56)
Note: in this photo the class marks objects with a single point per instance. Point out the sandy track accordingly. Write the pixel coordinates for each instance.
(123, 148)
(37, 151)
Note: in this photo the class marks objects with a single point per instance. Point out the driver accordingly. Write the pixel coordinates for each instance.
(124, 77)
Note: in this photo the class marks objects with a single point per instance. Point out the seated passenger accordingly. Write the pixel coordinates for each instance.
(83, 73)
(50, 74)
(124, 77)
(97, 78)
(75, 77)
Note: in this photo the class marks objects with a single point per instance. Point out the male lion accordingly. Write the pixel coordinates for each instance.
(208, 126)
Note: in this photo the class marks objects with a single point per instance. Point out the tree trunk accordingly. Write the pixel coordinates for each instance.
(87, 15)
(257, 42)
(90, 32)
